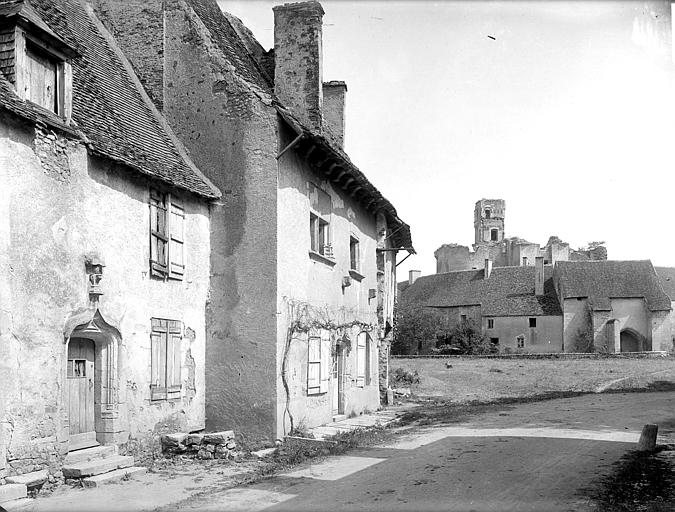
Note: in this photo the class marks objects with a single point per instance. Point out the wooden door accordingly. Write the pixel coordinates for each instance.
(80, 383)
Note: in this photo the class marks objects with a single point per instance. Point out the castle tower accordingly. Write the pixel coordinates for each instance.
(488, 221)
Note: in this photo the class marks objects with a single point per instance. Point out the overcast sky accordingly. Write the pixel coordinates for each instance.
(568, 114)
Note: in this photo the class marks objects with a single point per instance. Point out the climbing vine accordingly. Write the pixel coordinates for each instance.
(304, 318)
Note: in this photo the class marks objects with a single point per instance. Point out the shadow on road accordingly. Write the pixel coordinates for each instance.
(638, 482)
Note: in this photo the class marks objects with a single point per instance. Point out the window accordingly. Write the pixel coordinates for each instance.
(354, 254)
(520, 341)
(319, 236)
(462, 318)
(494, 235)
(494, 341)
(318, 363)
(42, 78)
(165, 359)
(167, 219)
(363, 365)
(488, 213)
(319, 221)
(533, 322)
(491, 323)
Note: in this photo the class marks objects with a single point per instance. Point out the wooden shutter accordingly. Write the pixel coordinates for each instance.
(369, 359)
(361, 359)
(173, 359)
(158, 342)
(325, 361)
(176, 247)
(314, 365)
(158, 234)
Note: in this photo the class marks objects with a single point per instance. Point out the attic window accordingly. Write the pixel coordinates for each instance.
(42, 78)
(42, 71)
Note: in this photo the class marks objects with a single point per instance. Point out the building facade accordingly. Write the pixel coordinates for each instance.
(303, 246)
(104, 248)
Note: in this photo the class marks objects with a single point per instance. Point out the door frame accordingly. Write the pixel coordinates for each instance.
(91, 325)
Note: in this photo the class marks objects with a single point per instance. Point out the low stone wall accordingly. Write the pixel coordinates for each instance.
(215, 445)
(556, 355)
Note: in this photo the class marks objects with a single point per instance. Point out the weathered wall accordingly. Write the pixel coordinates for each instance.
(138, 24)
(307, 279)
(632, 314)
(661, 328)
(452, 257)
(576, 320)
(545, 338)
(229, 128)
(58, 208)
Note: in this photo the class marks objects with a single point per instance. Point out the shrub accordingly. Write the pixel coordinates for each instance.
(401, 377)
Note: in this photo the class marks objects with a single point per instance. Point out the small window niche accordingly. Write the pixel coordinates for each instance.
(490, 323)
(532, 322)
(488, 213)
(494, 235)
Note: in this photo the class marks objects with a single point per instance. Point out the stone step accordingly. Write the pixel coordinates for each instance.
(18, 505)
(9, 492)
(29, 479)
(114, 476)
(97, 452)
(97, 466)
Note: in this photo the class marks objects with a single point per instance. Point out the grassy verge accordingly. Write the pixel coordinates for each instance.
(482, 380)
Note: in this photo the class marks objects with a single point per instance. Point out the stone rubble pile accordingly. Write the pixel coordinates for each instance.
(215, 445)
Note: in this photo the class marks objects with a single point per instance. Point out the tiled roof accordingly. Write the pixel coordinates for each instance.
(602, 280)
(509, 291)
(109, 107)
(667, 280)
(229, 42)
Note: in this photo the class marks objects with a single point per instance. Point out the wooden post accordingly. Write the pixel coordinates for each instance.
(647, 442)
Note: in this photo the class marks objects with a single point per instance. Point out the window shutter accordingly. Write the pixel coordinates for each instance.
(158, 234)
(361, 359)
(369, 359)
(173, 359)
(314, 366)
(176, 249)
(158, 339)
(325, 361)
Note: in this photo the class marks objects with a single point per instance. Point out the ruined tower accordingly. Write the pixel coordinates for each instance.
(488, 221)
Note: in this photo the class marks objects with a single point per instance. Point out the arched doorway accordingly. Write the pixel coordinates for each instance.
(630, 341)
(92, 381)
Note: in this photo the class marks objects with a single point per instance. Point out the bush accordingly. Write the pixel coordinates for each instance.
(414, 330)
(401, 377)
(467, 338)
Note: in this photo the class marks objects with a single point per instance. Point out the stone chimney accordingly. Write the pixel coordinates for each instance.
(539, 275)
(488, 269)
(298, 60)
(413, 275)
(334, 109)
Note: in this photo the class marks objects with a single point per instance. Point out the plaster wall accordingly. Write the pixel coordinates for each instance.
(661, 327)
(230, 129)
(58, 207)
(576, 319)
(632, 314)
(309, 280)
(545, 338)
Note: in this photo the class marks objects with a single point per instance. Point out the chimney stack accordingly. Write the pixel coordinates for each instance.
(298, 60)
(539, 275)
(334, 109)
(413, 275)
(488, 269)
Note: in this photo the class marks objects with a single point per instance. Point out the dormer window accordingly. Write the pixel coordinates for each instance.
(36, 60)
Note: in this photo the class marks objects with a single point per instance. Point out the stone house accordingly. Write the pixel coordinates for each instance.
(104, 247)
(516, 308)
(303, 246)
(617, 306)
(491, 243)
(572, 306)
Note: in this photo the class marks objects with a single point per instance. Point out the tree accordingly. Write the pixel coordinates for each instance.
(467, 338)
(415, 329)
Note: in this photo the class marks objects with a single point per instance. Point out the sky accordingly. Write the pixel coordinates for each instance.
(566, 110)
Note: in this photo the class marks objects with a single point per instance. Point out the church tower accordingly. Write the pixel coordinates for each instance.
(488, 221)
